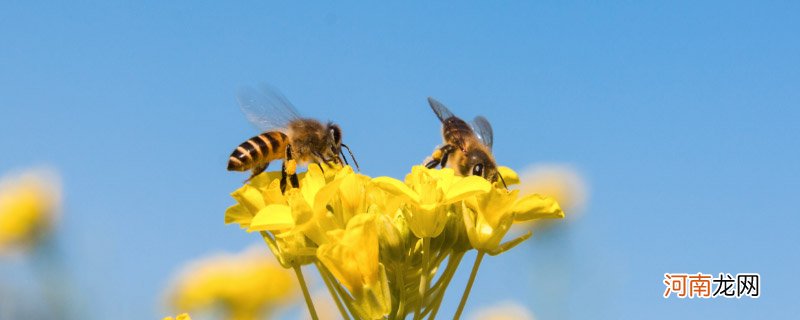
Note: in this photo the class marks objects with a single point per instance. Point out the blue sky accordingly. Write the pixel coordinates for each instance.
(683, 118)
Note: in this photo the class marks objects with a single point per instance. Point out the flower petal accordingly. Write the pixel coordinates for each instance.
(272, 217)
(250, 197)
(397, 188)
(509, 176)
(325, 194)
(237, 213)
(312, 182)
(535, 206)
(264, 179)
(497, 204)
(465, 188)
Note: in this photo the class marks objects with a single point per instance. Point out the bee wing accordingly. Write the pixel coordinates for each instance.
(483, 129)
(440, 110)
(266, 108)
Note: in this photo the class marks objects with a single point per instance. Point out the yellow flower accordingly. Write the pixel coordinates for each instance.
(262, 190)
(182, 316)
(28, 209)
(296, 206)
(503, 311)
(428, 192)
(354, 196)
(288, 217)
(489, 216)
(562, 182)
(245, 286)
(534, 206)
(352, 258)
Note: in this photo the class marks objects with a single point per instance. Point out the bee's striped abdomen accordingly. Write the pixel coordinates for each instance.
(257, 150)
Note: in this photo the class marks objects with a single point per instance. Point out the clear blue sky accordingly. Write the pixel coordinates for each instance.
(684, 119)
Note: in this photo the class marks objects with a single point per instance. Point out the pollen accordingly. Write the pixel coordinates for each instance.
(437, 154)
(291, 166)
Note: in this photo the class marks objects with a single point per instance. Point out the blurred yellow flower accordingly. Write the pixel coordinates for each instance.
(29, 205)
(559, 181)
(247, 285)
(503, 311)
(182, 316)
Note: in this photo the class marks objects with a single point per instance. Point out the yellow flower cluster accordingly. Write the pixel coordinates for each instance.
(378, 242)
(243, 286)
(28, 208)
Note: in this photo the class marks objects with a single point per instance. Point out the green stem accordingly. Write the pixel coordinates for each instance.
(449, 272)
(332, 291)
(346, 298)
(423, 284)
(348, 301)
(401, 300)
(306, 294)
(472, 275)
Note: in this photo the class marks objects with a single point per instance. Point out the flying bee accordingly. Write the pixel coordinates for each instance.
(467, 147)
(286, 135)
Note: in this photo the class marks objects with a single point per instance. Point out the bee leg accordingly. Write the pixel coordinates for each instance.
(436, 158)
(258, 170)
(320, 160)
(444, 160)
(283, 178)
(288, 174)
(290, 168)
(295, 181)
(432, 164)
(439, 156)
(446, 151)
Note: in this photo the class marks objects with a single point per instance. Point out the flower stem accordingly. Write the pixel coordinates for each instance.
(423, 284)
(472, 275)
(306, 295)
(452, 266)
(332, 291)
(401, 283)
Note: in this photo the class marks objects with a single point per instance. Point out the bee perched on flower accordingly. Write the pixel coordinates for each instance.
(379, 243)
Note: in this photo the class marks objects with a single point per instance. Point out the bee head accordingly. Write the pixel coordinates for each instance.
(335, 136)
(480, 163)
(335, 143)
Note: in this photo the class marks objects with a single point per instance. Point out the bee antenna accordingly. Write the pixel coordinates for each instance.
(351, 156)
(343, 157)
(502, 180)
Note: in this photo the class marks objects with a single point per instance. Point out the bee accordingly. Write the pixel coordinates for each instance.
(467, 147)
(285, 135)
